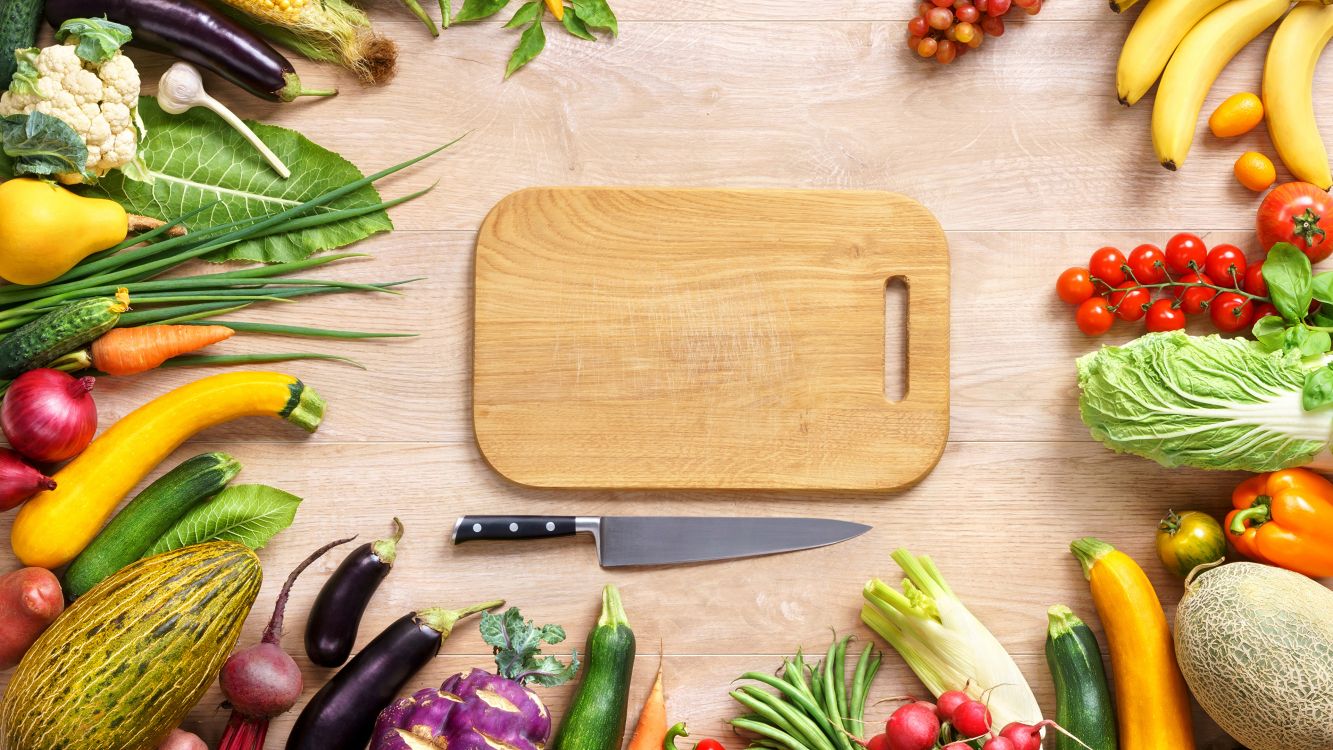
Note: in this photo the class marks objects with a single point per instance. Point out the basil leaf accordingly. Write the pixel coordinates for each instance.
(1318, 390)
(473, 10)
(597, 14)
(529, 46)
(1268, 331)
(1317, 343)
(1322, 287)
(96, 39)
(42, 145)
(576, 26)
(247, 513)
(1290, 281)
(526, 14)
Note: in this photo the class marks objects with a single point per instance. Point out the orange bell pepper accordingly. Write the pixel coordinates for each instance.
(1285, 518)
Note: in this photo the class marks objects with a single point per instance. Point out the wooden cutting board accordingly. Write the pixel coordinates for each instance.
(691, 338)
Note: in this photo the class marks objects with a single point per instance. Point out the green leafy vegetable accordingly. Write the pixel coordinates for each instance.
(529, 46)
(1269, 331)
(579, 19)
(576, 26)
(518, 644)
(474, 10)
(96, 39)
(1203, 401)
(195, 161)
(1318, 390)
(526, 14)
(25, 71)
(247, 513)
(1290, 281)
(41, 145)
(597, 14)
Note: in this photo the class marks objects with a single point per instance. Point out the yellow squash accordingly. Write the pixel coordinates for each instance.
(1152, 702)
(53, 527)
(45, 229)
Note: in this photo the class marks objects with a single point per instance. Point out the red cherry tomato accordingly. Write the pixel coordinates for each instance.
(1195, 299)
(1107, 264)
(1162, 316)
(1263, 310)
(1185, 253)
(1131, 304)
(1074, 285)
(1094, 317)
(1231, 312)
(1254, 280)
(1148, 264)
(1226, 265)
(1299, 213)
(709, 745)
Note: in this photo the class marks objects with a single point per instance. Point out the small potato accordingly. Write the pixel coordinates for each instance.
(179, 739)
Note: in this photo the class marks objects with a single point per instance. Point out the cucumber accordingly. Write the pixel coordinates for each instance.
(1083, 699)
(596, 716)
(125, 663)
(148, 516)
(41, 342)
(18, 30)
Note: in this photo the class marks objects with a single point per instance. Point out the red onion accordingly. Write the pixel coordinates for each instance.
(18, 480)
(49, 415)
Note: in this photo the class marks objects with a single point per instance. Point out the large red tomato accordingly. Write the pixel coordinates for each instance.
(1299, 213)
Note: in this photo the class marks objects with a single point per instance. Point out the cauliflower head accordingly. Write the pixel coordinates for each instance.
(87, 83)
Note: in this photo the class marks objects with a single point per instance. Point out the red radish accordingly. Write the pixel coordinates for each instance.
(19, 481)
(30, 600)
(878, 742)
(972, 719)
(949, 701)
(913, 727)
(957, 746)
(999, 743)
(1023, 736)
(262, 681)
(179, 739)
(49, 415)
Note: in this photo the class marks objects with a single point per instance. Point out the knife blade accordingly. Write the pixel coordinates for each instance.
(666, 540)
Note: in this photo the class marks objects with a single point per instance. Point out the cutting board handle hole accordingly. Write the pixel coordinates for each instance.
(895, 339)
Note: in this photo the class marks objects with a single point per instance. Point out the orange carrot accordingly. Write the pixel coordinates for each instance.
(651, 731)
(127, 351)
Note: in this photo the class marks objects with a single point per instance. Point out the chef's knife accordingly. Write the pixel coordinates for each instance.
(664, 540)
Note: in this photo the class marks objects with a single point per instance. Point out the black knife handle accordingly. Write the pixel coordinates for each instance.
(473, 528)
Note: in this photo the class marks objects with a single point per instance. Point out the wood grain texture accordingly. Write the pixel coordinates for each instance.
(719, 339)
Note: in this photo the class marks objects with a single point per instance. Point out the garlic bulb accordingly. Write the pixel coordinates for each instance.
(182, 89)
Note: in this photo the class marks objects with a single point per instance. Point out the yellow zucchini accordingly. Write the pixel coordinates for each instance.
(53, 527)
(1152, 701)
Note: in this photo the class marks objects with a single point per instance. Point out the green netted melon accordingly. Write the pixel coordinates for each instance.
(1255, 644)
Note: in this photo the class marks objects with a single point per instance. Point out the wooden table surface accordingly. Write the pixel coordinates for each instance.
(1020, 150)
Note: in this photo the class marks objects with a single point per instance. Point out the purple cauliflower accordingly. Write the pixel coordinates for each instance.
(477, 710)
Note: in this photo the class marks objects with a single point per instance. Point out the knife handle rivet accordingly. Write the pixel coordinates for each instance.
(513, 527)
(550, 525)
(476, 528)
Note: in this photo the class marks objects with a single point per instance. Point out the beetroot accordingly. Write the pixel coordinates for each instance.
(913, 726)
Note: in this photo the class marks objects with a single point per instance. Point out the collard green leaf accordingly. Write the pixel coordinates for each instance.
(96, 39)
(529, 46)
(194, 160)
(517, 644)
(597, 14)
(247, 513)
(41, 145)
(527, 13)
(473, 10)
(1290, 281)
(576, 26)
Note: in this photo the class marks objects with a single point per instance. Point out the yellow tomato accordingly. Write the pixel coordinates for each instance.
(1255, 171)
(1188, 540)
(1237, 115)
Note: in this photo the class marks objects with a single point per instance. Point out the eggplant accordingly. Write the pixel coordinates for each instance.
(342, 714)
(330, 630)
(196, 34)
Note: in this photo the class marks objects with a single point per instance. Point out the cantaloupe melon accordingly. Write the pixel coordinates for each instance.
(1255, 644)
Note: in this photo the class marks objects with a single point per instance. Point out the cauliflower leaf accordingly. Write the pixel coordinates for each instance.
(42, 145)
(95, 40)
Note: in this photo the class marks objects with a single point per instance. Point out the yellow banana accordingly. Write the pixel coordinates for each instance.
(1288, 91)
(1201, 56)
(1159, 28)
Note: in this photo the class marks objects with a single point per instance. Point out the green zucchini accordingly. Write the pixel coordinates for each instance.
(147, 517)
(18, 30)
(1083, 699)
(59, 332)
(126, 662)
(596, 716)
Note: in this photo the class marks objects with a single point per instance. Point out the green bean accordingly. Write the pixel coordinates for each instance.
(765, 712)
(840, 675)
(831, 700)
(795, 723)
(765, 730)
(796, 696)
(817, 683)
(857, 702)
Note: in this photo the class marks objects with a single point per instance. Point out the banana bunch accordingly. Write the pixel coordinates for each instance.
(1183, 45)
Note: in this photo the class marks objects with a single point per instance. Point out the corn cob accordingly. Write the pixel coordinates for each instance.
(323, 30)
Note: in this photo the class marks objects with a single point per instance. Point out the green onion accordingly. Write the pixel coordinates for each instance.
(203, 360)
(284, 330)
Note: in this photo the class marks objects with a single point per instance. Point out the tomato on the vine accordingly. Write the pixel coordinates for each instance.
(1164, 316)
(1263, 310)
(1185, 253)
(1254, 280)
(1193, 299)
(1231, 312)
(1094, 317)
(1107, 264)
(1074, 285)
(1299, 213)
(1226, 264)
(1132, 303)
(1147, 263)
